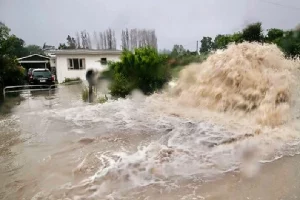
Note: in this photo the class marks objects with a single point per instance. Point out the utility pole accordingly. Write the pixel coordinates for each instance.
(197, 47)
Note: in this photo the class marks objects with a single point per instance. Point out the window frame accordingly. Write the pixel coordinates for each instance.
(71, 63)
(103, 62)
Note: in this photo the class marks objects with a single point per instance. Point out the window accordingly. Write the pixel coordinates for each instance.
(41, 73)
(103, 61)
(76, 63)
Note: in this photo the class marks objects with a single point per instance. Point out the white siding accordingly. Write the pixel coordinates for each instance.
(52, 62)
(91, 62)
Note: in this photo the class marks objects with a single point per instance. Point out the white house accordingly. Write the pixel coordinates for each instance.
(74, 63)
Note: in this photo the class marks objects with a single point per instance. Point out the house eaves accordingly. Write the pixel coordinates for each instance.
(85, 52)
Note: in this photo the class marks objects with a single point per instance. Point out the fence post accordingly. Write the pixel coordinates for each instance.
(4, 93)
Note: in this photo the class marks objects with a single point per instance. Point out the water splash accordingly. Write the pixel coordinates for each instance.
(248, 78)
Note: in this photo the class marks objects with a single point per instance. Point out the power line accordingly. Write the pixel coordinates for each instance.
(282, 5)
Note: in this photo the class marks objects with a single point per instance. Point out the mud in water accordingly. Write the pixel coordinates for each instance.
(248, 77)
(203, 139)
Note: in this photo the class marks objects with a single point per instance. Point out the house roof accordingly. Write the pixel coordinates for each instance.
(85, 52)
(33, 55)
(34, 58)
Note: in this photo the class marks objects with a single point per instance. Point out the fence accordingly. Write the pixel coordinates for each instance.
(28, 88)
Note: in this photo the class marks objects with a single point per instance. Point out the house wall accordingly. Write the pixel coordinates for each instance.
(91, 62)
(52, 62)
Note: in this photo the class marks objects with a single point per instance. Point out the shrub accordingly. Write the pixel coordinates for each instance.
(9, 68)
(69, 81)
(102, 99)
(143, 69)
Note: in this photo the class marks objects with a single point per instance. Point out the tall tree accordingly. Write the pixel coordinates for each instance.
(178, 50)
(84, 40)
(101, 40)
(290, 43)
(89, 41)
(237, 37)
(221, 41)
(62, 46)
(78, 42)
(10, 48)
(274, 35)
(71, 42)
(104, 40)
(135, 38)
(253, 33)
(206, 45)
(96, 39)
(114, 40)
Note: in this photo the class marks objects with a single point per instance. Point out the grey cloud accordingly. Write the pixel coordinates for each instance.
(175, 21)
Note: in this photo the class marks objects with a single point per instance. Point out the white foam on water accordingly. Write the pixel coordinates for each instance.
(184, 148)
(234, 112)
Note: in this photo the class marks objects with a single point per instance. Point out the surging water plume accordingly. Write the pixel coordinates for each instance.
(249, 78)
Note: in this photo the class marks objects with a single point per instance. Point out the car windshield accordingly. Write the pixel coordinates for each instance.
(45, 73)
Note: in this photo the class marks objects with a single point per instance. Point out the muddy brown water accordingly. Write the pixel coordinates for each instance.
(57, 147)
(227, 129)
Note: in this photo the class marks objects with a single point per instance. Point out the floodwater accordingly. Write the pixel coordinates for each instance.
(165, 146)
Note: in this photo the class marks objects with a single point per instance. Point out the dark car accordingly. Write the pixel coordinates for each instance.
(41, 77)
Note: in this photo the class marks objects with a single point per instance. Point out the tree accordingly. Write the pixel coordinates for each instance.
(125, 40)
(143, 69)
(253, 33)
(96, 39)
(107, 40)
(62, 46)
(274, 35)
(237, 37)
(89, 41)
(71, 42)
(34, 49)
(14, 46)
(290, 43)
(206, 45)
(221, 41)
(105, 45)
(11, 47)
(165, 51)
(137, 38)
(178, 50)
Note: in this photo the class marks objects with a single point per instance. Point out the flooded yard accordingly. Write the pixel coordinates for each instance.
(58, 147)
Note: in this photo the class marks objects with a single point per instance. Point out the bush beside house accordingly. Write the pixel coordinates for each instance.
(144, 69)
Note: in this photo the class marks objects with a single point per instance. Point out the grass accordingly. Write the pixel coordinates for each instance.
(85, 96)
(70, 81)
(102, 99)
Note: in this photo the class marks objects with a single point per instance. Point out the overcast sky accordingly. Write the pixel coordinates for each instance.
(175, 21)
